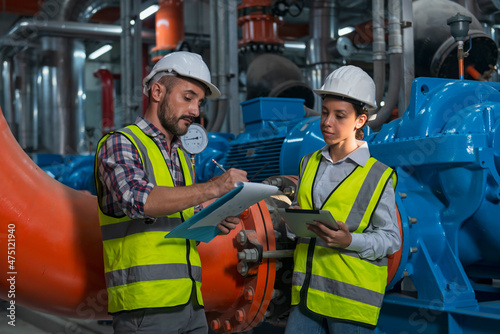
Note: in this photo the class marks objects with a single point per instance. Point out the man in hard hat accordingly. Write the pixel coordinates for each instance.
(339, 278)
(145, 189)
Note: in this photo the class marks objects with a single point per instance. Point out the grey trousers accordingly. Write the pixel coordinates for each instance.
(181, 319)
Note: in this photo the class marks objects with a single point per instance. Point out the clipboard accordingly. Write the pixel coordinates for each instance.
(203, 225)
(297, 220)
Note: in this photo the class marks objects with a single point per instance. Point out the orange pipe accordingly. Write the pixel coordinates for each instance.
(55, 241)
(169, 27)
(473, 72)
(460, 68)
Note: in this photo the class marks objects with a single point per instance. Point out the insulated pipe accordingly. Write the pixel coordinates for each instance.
(323, 28)
(222, 62)
(131, 54)
(221, 106)
(214, 56)
(395, 75)
(224, 65)
(378, 49)
(108, 105)
(169, 27)
(61, 77)
(25, 95)
(8, 93)
(30, 28)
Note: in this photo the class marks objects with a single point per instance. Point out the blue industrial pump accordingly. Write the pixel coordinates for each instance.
(446, 152)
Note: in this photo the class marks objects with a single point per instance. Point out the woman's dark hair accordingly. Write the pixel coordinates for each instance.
(360, 110)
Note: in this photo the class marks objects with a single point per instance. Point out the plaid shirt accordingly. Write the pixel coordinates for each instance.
(126, 185)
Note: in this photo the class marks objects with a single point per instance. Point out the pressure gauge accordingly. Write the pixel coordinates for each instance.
(195, 140)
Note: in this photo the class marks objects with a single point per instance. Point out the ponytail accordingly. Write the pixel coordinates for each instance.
(360, 110)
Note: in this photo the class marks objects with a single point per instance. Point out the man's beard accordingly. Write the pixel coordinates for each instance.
(168, 121)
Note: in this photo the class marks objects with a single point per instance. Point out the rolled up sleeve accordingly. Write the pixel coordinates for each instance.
(125, 182)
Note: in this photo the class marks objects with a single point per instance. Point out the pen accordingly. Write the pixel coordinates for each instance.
(218, 165)
(260, 170)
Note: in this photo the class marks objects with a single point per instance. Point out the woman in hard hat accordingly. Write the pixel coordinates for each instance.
(340, 277)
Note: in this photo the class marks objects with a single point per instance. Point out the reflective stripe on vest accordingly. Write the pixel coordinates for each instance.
(142, 268)
(129, 227)
(336, 282)
(149, 272)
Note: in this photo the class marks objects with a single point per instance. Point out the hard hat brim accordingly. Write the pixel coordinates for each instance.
(321, 92)
(213, 91)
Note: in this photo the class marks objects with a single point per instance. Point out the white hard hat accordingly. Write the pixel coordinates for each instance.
(350, 82)
(186, 64)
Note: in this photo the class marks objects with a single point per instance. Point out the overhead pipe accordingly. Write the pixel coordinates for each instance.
(323, 28)
(395, 59)
(169, 27)
(70, 29)
(378, 48)
(8, 93)
(131, 56)
(32, 28)
(25, 94)
(60, 70)
(232, 68)
(224, 65)
(214, 63)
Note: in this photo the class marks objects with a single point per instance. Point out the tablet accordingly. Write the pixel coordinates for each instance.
(297, 220)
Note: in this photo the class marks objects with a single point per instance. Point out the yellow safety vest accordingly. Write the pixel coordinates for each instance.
(142, 268)
(333, 282)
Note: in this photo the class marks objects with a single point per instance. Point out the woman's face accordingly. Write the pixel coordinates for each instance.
(339, 121)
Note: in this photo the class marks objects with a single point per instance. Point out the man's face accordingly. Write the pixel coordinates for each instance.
(178, 108)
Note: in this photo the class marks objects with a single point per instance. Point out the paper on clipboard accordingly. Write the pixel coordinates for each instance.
(203, 225)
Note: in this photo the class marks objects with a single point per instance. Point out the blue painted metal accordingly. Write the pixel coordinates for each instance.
(277, 134)
(218, 144)
(75, 171)
(446, 151)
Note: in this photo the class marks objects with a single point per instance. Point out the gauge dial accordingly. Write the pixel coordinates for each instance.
(195, 140)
